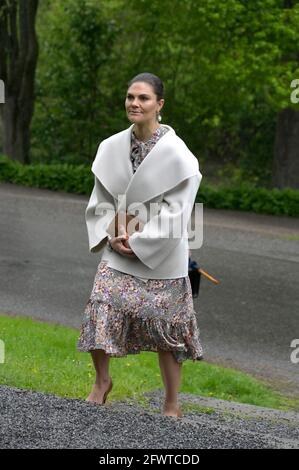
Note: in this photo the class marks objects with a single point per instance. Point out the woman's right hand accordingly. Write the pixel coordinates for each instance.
(118, 245)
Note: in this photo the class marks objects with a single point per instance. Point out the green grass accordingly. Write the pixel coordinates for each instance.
(194, 408)
(43, 357)
(289, 237)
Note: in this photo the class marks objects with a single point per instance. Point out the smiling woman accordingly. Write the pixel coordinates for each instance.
(143, 104)
(141, 298)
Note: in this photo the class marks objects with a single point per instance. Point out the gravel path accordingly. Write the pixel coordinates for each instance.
(37, 420)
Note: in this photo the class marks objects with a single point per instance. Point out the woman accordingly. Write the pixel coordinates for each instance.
(141, 298)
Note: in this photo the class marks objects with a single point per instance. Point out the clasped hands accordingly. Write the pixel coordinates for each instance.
(121, 244)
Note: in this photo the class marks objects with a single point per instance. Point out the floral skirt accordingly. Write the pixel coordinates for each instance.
(125, 315)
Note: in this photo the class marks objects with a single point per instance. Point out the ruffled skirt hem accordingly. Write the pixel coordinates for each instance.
(180, 356)
(151, 334)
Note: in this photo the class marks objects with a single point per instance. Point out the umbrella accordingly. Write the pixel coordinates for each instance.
(195, 272)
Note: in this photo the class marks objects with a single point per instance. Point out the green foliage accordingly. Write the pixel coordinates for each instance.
(76, 41)
(227, 68)
(57, 177)
(247, 197)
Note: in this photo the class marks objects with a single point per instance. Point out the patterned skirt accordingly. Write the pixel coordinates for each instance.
(125, 315)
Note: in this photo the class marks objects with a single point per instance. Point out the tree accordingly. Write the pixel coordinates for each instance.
(228, 68)
(74, 96)
(18, 59)
(285, 172)
(286, 150)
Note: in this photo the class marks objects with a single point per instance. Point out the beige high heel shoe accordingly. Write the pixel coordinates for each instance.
(104, 396)
(107, 392)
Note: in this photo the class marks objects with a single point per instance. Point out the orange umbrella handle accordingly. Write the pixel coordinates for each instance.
(215, 281)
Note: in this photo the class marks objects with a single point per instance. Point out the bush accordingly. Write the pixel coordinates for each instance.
(58, 177)
(247, 197)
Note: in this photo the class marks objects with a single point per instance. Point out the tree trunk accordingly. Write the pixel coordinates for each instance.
(286, 150)
(18, 58)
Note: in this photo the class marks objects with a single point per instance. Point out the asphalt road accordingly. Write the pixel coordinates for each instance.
(247, 321)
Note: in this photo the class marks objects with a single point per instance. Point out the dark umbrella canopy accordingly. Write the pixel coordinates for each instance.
(194, 276)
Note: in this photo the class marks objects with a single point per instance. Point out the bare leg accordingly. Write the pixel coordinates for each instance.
(103, 381)
(171, 375)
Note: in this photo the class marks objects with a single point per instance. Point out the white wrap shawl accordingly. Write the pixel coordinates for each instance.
(168, 176)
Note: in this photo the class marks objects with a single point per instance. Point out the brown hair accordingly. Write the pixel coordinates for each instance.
(152, 80)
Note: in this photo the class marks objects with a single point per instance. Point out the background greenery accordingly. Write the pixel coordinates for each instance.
(227, 68)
